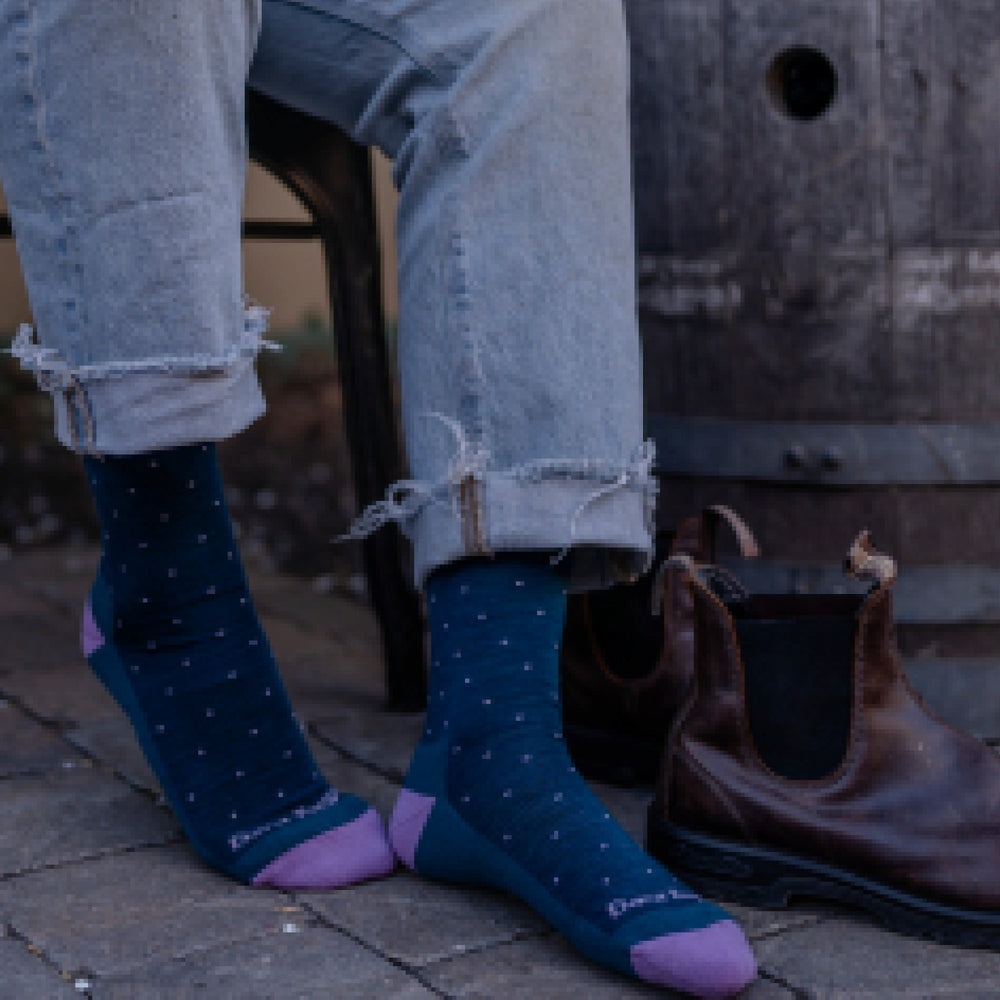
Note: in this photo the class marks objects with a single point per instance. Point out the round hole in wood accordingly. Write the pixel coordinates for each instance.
(802, 82)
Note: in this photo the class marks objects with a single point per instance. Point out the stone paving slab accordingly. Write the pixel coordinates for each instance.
(70, 814)
(419, 922)
(760, 924)
(120, 913)
(62, 690)
(383, 740)
(330, 616)
(548, 967)
(39, 639)
(312, 964)
(347, 776)
(841, 959)
(27, 747)
(316, 668)
(27, 976)
(112, 741)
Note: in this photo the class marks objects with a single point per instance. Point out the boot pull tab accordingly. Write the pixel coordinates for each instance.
(705, 530)
(745, 539)
(717, 581)
(865, 562)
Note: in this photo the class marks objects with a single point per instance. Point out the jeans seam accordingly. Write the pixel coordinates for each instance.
(449, 137)
(54, 193)
(474, 446)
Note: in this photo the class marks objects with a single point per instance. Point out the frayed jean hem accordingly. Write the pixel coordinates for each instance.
(134, 406)
(595, 519)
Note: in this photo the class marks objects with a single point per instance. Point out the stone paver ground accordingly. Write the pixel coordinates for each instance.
(100, 897)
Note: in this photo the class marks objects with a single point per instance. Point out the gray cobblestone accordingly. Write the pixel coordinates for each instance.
(27, 976)
(27, 747)
(121, 913)
(420, 922)
(840, 959)
(313, 964)
(112, 742)
(84, 896)
(71, 814)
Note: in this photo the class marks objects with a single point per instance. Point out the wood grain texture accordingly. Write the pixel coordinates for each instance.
(841, 269)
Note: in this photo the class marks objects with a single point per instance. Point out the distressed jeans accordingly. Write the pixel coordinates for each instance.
(122, 155)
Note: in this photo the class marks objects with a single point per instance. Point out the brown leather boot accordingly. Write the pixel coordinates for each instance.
(806, 765)
(627, 657)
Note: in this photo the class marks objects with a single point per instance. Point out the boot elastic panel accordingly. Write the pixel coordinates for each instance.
(798, 653)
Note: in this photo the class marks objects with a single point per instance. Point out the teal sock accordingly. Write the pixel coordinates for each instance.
(171, 631)
(492, 797)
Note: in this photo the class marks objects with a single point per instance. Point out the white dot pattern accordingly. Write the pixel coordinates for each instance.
(515, 785)
(229, 756)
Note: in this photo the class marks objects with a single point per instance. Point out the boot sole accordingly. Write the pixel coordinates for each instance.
(758, 876)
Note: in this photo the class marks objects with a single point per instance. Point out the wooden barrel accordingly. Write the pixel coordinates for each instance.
(818, 209)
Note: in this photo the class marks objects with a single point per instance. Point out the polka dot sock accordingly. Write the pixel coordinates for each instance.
(170, 630)
(492, 797)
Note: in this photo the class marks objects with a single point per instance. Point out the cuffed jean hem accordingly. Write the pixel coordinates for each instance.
(596, 520)
(601, 538)
(133, 406)
(157, 410)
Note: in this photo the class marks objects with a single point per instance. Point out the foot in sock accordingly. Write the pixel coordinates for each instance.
(492, 797)
(170, 630)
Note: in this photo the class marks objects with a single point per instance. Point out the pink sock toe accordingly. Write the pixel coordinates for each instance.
(714, 962)
(407, 823)
(91, 638)
(351, 853)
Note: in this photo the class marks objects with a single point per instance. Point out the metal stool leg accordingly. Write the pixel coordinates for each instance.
(332, 177)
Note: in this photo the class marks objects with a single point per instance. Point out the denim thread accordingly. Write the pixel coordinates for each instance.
(53, 373)
(406, 499)
(68, 383)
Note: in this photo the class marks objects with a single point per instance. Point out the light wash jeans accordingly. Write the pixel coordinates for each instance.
(122, 154)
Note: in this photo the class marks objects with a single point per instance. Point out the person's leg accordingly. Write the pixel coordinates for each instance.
(518, 344)
(521, 383)
(122, 156)
(492, 796)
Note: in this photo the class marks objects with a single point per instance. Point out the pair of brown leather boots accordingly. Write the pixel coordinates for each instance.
(792, 757)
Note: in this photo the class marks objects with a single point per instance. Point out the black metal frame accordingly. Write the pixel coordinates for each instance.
(331, 176)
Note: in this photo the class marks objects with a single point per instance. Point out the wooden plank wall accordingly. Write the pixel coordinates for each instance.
(841, 271)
